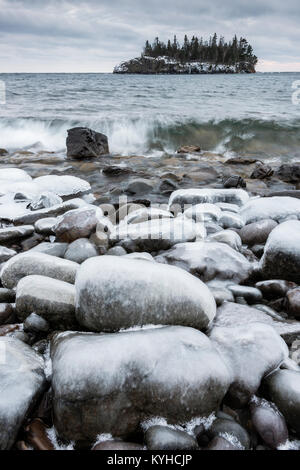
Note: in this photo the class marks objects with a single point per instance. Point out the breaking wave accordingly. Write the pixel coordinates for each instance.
(162, 134)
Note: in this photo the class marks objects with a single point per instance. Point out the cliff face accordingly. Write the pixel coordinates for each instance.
(166, 65)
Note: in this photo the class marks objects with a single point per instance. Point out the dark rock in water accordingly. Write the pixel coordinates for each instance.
(167, 186)
(86, 143)
(221, 443)
(116, 171)
(281, 258)
(221, 427)
(283, 388)
(293, 299)
(289, 173)
(3, 152)
(171, 371)
(22, 382)
(139, 186)
(189, 149)
(165, 438)
(241, 161)
(261, 172)
(234, 181)
(257, 232)
(275, 288)
(36, 435)
(7, 314)
(268, 422)
(114, 293)
(80, 250)
(117, 445)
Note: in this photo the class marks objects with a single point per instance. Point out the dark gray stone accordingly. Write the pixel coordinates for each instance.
(86, 143)
(165, 438)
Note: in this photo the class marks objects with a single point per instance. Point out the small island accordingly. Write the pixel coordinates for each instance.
(194, 56)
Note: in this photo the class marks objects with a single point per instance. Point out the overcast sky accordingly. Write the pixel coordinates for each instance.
(94, 35)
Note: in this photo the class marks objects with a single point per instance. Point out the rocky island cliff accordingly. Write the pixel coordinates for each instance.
(194, 56)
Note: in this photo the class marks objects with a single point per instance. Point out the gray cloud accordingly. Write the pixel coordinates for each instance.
(93, 35)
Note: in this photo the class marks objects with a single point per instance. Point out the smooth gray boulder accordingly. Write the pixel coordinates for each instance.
(80, 250)
(172, 372)
(79, 223)
(83, 142)
(6, 254)
(251, 352)
(229, 237)
(22, 382)
(283, 388)
(250, 294)
(114, 293)
(41, 264)
(49, 298)
(268, 422)
(165, 438)
(208, 261)
(281, 258)
(223, 426)
(45, 226)
(275, 208)
(53, 249)
(257, 233)
(208, 195)
(9, 234)
(36, 324)
(139, 186)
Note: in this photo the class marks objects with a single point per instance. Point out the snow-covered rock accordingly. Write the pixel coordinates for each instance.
(116, 292)
(22, 381)
(144, 214)
(13, 175)
(204, 213)
(63, 186)
(281, 258)
(276, 208)
(208, 195)
(111, 383)
(31, 217)
(229, 237)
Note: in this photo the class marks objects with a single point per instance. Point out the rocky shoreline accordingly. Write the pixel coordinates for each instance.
(148, 303)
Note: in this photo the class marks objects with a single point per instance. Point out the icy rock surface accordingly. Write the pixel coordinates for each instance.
(41, 264)
(31, 217)
(208, 195)
(231, 220)
(154, 235)
(63, 186)
(144, 214)
(275, 208)
(13, 175)
(283, 387)
(117, 292)
(281, 258)
(204, 212)
(229, 237)
(172, 372)
(22, 381)
(53, 300)
(208, 260)
(251, 352)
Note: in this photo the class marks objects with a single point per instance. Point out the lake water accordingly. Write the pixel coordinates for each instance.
(154, 114)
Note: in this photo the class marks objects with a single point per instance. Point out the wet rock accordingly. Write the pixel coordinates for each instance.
(182, 367)
(289, 173)
(229, 237)
(22, 382)
(234, 181)
(275, 208)
(7, 314)
(293, 298)
(53, 249)
(79, 223)
(6, 254)
(139, 186)
(114, 293)
(80, 250)
(45, 226)
(208, 261)
(221, 443)
(204, 213)
(44, 201)
(250, 294)
(31, 242)
(36, 435)
(281, 258)
(189, 149)
(275, 288)
(51, 299)
(261, 172)
(221, 427)
(268, 422)
(41, 264)
(257, 232)
(10, 234)
(230, 220)
(283, 388)
(117, 445)
(154, 235)
(165, 438)
(241, 161)
(251, 352)
(212, 196)
(33, 216)
(7, 295)
(86, 143)
(167, 186)
(36, 324)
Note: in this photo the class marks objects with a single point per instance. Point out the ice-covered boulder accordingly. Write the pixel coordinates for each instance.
(13, 175)
(41, 264)
(208, 195)
(204, 212)
(53, 300)
(154, 235)
(251, 352)
(113, 293)
(111, 383)
(275, 208)
(208, 260)
(229, 237)
(22, 381)
(31, 217)
(231, 220)
(281, 258)
(63, 186)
